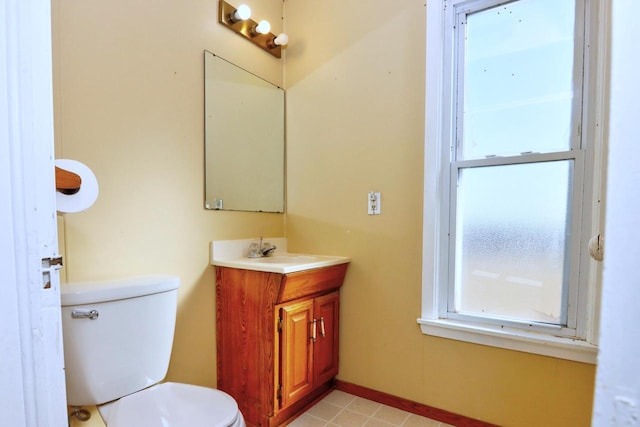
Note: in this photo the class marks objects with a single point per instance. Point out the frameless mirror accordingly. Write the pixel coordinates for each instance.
(244, 139)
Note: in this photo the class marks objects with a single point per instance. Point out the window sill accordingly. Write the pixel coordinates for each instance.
(529, 342)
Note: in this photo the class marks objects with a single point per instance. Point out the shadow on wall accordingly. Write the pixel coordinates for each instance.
(336, 24)
(379, 302)
(194, 344)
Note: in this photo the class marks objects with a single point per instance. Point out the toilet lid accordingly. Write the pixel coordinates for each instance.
(172, 405)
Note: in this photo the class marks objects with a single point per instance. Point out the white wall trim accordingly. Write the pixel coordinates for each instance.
(518, 340)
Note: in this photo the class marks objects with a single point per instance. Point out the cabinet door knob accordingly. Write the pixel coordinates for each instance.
(322, 331)
(313, 330)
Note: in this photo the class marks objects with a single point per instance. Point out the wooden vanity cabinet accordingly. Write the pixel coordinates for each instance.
(277, 339)
(308, 345)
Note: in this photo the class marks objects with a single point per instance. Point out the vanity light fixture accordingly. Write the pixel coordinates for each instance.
(258, 33)
(263, 27)
(242, 13)
(280, 40)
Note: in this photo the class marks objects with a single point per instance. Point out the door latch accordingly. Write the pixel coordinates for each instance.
(49, 264)
(53, 262)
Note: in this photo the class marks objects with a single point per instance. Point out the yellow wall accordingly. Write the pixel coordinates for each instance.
(355, 99)
(128, 79)
(128, 101)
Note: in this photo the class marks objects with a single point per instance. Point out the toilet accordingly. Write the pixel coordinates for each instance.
(117, 338)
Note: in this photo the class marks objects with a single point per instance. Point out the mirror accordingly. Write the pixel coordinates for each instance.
(244, 139)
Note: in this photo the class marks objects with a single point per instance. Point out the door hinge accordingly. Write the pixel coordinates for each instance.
(280, 324)
(279, 391)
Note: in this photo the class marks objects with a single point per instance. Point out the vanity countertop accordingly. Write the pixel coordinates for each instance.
(233, 254)
(283, 262)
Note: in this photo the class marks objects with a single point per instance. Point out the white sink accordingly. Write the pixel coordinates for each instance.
(287, 258)
(232, 253)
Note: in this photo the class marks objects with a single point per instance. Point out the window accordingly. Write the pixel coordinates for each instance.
(511, 174)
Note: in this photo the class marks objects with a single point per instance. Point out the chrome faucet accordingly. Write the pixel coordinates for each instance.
(258, 250)
(268, 250)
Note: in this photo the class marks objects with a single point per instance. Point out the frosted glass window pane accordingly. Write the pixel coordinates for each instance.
(511, 240)
(518, 79)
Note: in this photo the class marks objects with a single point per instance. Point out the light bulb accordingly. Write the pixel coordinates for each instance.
(242, 13)
(263, 27)
(281, 40)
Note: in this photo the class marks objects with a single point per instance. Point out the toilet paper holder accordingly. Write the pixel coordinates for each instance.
(67, 182)
(76, 186)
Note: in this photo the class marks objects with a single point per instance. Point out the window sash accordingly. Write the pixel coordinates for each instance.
(571, 288)
(571, 301)
(455, 43)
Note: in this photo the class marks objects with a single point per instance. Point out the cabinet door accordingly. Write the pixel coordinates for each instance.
(326, 311)
(296, 351)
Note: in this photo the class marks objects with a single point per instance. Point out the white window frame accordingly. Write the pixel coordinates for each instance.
(579, 341)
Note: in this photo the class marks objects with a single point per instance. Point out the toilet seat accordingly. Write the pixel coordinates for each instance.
(173, 405)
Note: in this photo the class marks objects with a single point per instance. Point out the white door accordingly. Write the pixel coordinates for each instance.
(32, 390)
(617, 393)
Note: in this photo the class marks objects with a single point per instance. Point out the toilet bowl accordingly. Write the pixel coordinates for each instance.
(173, 404)
(117, 338)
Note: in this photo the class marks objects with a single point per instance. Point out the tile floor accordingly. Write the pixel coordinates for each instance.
(342, 409)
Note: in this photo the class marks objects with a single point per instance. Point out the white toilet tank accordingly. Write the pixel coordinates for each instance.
(117, 336)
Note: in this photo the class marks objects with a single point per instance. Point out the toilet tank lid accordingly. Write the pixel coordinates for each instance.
(77, 293)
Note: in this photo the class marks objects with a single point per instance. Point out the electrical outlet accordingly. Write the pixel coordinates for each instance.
(373, 200)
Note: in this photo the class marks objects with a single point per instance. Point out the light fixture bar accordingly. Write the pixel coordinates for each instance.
(245, 29)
